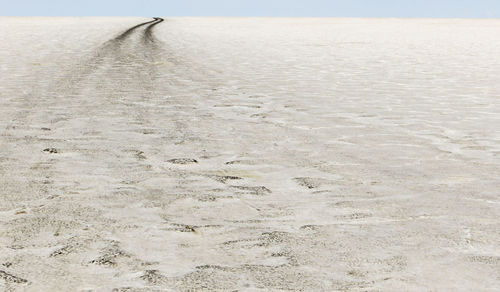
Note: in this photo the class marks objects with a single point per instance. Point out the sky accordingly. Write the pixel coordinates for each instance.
(278, 8)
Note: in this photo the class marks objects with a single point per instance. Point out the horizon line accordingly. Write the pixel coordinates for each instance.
(266, 16)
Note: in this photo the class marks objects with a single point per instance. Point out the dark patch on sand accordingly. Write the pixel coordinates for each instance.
(183, 161)
(9, 278)
(258, 191)
(51, 150)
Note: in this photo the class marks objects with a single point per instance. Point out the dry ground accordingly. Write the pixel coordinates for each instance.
(249, 154)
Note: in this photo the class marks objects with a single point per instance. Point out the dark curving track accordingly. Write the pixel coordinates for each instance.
(148, 30)
(114, 50)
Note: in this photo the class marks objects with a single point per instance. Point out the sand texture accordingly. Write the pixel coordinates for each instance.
(226, 154)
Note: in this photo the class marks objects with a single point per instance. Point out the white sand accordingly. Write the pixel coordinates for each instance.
(326, 154)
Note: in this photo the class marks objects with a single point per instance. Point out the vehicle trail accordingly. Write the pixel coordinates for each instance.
(129, 31)
(148, 32)
(109, 51)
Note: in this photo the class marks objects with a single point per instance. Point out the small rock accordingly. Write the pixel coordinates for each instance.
(140, 155)
(50, 150)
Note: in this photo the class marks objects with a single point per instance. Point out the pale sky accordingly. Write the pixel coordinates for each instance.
(325, 8)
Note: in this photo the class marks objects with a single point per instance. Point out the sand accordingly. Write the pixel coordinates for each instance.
(224, 154)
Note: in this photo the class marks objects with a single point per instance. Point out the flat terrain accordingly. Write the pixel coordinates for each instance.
(249, 154)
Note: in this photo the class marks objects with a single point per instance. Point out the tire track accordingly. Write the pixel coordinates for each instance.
(42, 175)
(111, 50)
(148, 32)
(129, 31)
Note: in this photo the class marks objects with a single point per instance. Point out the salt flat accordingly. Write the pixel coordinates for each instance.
(201, 154)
